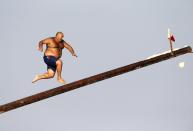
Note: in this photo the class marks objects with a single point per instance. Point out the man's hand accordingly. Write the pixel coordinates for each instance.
(74, 54)
(40, 49)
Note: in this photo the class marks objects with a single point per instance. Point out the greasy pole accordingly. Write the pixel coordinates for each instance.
(93, 79)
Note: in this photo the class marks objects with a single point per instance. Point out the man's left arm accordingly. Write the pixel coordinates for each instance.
(70, 49)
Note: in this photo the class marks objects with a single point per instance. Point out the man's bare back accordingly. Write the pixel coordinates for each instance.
(54, 47)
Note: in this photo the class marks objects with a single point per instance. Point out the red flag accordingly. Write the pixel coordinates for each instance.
(172, 38)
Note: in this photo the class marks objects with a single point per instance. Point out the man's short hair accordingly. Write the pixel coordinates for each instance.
(58, 33)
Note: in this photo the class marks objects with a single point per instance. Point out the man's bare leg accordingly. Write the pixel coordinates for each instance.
(47, 75)
(59, 71)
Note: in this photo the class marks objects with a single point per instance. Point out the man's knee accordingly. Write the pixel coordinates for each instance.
(50, 73)
(59, 62)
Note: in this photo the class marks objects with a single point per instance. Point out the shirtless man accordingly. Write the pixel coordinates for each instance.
(53, 52)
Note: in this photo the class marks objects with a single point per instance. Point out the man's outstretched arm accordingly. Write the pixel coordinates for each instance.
(67, 46)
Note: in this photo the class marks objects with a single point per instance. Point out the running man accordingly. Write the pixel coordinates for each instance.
(52, 54)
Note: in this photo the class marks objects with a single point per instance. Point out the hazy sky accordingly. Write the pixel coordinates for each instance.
(105, 34)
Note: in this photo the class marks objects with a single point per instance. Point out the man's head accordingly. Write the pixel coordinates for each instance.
(59, 36)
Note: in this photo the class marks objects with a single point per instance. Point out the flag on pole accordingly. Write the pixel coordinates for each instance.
(171, 39)
(171, 36)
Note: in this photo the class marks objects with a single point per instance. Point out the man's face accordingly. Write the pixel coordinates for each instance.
(60, 36)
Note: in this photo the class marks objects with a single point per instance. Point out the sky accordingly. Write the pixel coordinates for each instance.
(105, 34)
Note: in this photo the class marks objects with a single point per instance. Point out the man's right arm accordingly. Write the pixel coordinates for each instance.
(41, 43)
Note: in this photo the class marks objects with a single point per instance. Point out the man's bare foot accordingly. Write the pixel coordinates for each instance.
(62, 81)
(35, 79)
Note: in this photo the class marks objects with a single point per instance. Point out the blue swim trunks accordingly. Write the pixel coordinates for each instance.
(51, 62)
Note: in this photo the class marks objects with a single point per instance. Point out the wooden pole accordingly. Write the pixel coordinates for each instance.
(92, 79)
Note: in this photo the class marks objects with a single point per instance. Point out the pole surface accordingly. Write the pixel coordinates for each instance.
(92, 79)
